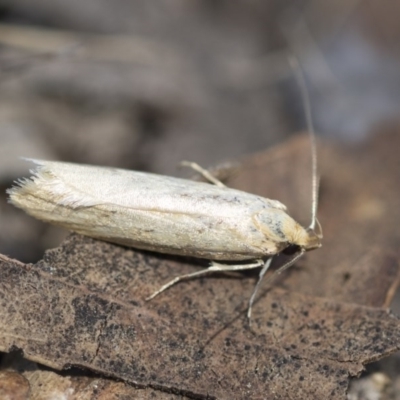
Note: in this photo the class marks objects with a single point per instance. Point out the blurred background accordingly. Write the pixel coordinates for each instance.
(144, 85)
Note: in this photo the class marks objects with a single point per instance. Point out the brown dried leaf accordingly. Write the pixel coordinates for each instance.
(13, 386)
(83, 303)
(49, 385)
(21, 379)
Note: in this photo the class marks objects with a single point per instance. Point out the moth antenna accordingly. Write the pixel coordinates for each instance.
(310, 127)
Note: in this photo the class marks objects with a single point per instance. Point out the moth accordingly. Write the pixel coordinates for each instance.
(233, 229)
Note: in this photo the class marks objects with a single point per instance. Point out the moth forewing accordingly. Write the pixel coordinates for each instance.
(153, 212)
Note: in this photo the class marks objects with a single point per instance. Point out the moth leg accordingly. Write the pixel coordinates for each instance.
(206, 175)
(236, 267)
(214, 267)
(271, 277)
(264, 269)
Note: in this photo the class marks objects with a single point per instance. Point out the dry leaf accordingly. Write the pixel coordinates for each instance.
(83, 304)
(13, 386)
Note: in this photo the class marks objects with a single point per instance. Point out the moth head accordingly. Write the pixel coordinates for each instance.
(281, 229)
(310, 238)
(314, 240)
